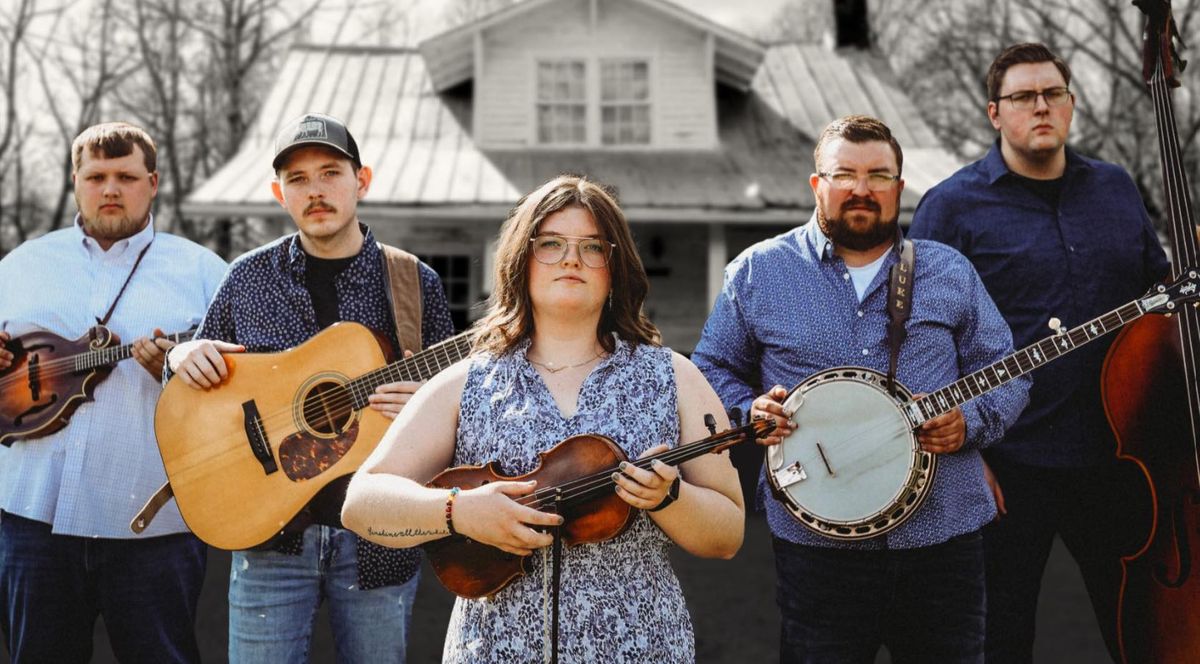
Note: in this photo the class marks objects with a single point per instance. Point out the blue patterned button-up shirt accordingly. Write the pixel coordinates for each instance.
(788, 310)
(264, 305)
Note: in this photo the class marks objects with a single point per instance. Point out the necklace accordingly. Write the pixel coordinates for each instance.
(549, 366)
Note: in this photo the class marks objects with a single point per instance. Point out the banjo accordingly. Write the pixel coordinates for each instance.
(853, 468)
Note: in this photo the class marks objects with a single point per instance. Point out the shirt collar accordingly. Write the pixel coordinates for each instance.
(127, 248)
(995, 168)
(819, 243)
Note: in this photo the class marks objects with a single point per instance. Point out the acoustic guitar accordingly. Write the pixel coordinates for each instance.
(244, 458)
(51, 377)
(853, 468)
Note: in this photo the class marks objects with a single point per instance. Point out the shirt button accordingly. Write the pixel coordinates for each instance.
(846, 276)
(866, 352)
(860, 314)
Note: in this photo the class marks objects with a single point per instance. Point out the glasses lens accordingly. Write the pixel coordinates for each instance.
(549, 248)
(879, 181)
(594, 252)
(1056, 96)
(1023, 99)
(843, 180)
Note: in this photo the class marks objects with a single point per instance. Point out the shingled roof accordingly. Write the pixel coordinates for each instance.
(418, 142)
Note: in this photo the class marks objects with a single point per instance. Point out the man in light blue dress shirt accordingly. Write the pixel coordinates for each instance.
(67, 554)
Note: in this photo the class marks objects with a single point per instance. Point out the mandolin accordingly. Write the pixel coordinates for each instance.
(244, 458)
(51, 377)
(576, 480)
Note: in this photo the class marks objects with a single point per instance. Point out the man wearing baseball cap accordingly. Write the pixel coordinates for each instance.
(277, 297)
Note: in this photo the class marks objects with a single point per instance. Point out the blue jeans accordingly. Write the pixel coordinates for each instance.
(53, 587)
(274, 597)
(839, 606)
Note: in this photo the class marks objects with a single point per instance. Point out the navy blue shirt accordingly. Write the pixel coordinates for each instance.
(1094, 251)
(789, 310)
(263, 304)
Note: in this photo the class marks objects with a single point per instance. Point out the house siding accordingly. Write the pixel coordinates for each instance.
(684, 114)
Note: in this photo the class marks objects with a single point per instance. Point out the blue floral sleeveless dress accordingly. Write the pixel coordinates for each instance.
(620, 600)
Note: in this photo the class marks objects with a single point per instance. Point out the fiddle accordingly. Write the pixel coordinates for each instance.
(576, 481)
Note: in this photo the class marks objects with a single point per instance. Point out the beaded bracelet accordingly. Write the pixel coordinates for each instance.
(450, 510)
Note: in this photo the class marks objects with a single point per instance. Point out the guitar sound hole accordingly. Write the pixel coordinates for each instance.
(327, 408)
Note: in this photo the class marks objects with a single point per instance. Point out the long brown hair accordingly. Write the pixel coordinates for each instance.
(509, 319)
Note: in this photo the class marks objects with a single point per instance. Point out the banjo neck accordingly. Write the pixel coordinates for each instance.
(1049, 349)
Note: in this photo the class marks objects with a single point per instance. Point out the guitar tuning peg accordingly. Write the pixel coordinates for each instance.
(1056, 325)
(711, 423)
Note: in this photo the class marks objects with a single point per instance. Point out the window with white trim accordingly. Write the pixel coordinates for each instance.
(624, 102)
(605, 101)
(562, 102)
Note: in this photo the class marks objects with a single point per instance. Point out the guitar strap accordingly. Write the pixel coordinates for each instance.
(403, 276)
(899, 307)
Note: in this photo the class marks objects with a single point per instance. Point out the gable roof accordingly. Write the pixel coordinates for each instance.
(450, 56)
(419, 145)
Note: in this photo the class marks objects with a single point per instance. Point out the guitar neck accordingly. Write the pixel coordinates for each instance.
(113, 354)
(1021, 362)
(587, 488)
(420, 367)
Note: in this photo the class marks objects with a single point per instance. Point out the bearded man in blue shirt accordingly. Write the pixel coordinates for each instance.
(816, 298)
(1053, 234)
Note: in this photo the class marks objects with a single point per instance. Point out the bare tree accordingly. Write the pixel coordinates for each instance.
(459, 12)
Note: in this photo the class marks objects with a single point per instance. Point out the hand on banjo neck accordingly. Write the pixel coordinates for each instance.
(943, 434)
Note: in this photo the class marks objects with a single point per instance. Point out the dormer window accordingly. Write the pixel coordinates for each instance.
(562, 102)
(624, 102)
(583, 102)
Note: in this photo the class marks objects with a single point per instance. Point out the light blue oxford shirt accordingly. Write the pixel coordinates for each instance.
(90, 478)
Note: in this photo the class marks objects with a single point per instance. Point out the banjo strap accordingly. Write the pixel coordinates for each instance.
(899, 307)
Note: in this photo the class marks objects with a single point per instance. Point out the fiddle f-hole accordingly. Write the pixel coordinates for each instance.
(326, 407)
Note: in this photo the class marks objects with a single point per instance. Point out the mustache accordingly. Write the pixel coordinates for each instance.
(859, 201)
(318, 206)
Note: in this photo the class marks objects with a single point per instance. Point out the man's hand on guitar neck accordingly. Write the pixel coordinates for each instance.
(6, 356)
(199, 362)
(390, 398)
(943, 434)
(151, 352)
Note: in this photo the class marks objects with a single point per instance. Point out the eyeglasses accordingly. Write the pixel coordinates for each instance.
(1024, 100)
(550, 249)
(875, 181)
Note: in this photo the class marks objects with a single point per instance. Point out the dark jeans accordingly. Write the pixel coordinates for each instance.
(839, 606)
(1094, 510)
(54, 586)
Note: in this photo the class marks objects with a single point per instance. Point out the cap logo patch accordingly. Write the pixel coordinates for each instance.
(310, 129)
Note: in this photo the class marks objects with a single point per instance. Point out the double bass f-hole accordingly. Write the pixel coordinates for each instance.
(1181, 541)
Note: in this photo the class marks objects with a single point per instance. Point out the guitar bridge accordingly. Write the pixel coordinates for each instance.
(257, 436)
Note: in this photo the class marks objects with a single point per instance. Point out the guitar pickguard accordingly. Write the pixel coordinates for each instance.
(303, 456)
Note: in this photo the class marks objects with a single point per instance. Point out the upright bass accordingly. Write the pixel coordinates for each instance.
(1152, 399)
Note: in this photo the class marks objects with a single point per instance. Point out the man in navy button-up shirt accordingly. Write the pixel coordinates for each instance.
(1052, 234)
(816, 298)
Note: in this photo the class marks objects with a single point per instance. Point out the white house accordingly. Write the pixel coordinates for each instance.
(706, 134)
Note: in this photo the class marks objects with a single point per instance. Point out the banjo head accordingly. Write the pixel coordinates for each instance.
(853, 468)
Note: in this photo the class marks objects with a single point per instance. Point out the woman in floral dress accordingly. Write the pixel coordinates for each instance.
(565, 349)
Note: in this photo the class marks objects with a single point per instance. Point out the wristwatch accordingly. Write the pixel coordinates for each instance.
(672, 494)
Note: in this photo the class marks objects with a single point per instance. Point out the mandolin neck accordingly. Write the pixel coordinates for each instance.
(113, 354)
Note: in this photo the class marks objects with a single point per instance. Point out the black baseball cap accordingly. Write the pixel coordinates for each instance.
(315, 129)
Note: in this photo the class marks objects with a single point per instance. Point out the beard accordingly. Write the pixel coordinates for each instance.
(839, 231)
(112, 228)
